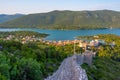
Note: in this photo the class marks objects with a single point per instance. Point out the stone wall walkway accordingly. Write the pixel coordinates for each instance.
(69, 70)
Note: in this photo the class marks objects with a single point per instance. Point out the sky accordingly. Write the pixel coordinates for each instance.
(41, 6)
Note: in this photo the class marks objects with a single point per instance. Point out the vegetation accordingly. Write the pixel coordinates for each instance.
(106, 64)
(37, 60)
(30, 61)
(21, 34)
(5, 18)
(67, 20)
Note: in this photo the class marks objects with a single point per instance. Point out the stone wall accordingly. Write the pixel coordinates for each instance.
(70, 68)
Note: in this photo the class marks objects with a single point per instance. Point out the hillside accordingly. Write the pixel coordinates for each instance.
(67, 20)
(5, 17)
(37, 60)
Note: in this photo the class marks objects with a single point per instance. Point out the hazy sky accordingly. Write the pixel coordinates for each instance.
(39, 6)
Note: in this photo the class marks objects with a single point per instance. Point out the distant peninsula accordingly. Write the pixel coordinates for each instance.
(67, 20)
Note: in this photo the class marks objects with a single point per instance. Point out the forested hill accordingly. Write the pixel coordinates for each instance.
(67, 20)
(6, 17)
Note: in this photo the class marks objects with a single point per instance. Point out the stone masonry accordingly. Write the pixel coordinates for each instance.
(70, 68)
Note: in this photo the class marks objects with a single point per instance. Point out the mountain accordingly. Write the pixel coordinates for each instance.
(5, 17)
(67, 20)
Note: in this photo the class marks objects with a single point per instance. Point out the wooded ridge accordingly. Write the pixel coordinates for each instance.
(67, 20)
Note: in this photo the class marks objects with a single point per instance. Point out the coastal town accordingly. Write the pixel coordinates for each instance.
(23, 39)
(22, 36)
(85, 44)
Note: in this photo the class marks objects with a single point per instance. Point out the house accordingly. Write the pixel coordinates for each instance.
(96, 43)
(83, 44)
(112, 44)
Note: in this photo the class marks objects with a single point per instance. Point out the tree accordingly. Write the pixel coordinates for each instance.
(4, 67)
(29, 69)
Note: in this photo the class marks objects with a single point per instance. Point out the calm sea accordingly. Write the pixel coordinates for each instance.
(67, 34)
